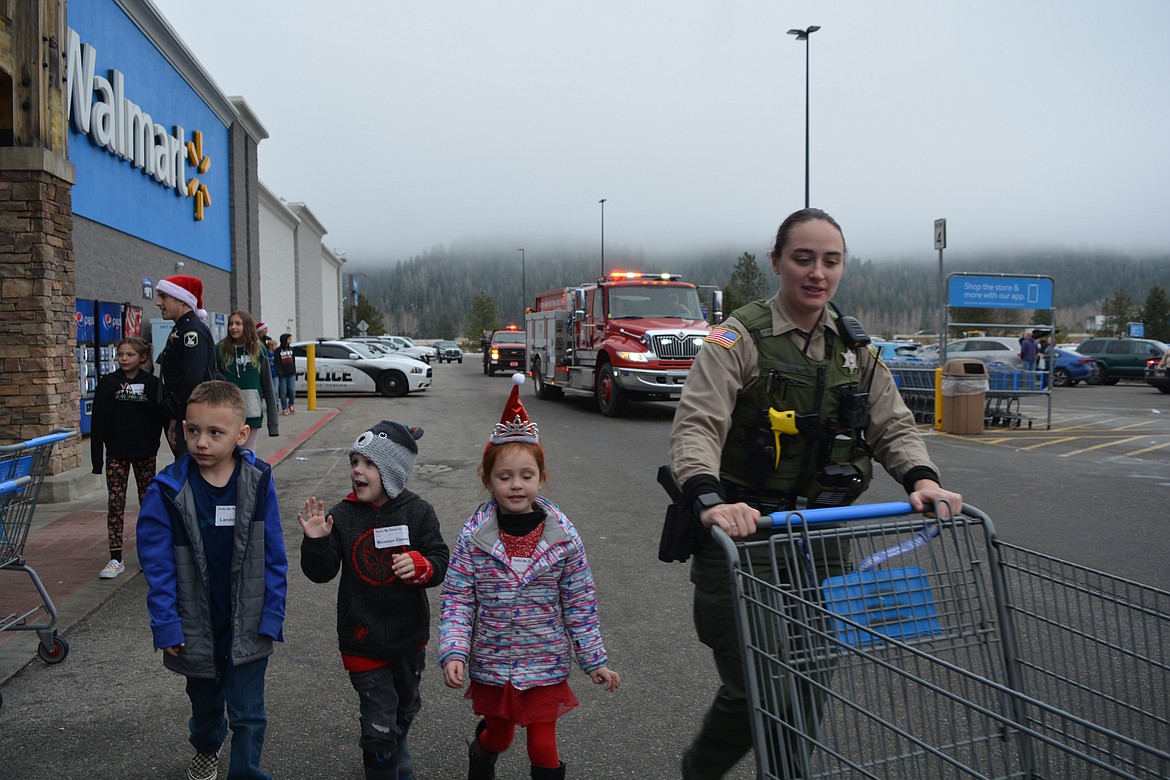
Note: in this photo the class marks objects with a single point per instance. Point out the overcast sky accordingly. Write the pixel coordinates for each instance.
(405, 125)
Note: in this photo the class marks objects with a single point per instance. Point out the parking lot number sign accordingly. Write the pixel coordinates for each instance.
(940, 234)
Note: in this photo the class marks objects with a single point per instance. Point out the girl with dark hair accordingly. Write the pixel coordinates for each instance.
(127, 430)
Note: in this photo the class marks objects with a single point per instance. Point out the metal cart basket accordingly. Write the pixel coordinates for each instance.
(883, 645)
(22, 470)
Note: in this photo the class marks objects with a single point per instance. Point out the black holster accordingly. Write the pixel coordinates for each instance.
(682, 533)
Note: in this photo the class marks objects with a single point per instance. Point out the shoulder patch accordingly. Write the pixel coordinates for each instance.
(724, 337)
(190, 339)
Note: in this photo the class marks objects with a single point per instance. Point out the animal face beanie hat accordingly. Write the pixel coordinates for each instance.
(514, 424)
(391, 447)
(188, 289)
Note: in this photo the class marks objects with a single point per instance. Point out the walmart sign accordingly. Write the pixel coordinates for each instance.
(151, 154)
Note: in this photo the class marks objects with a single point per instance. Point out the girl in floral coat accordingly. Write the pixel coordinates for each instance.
(517, 594)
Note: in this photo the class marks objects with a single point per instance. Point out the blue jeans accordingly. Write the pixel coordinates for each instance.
(286, 391)
(239, 690)
(389, 701)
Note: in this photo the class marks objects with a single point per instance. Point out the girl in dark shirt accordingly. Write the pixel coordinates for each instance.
(127, 429)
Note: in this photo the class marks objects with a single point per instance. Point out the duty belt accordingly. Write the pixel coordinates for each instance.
(767, 501)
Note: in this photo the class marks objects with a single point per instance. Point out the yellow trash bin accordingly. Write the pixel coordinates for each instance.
(964, 396)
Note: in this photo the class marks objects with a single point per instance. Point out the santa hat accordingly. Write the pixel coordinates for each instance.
(390, 447)
(514, 425)
(261, 328)
(187, 289)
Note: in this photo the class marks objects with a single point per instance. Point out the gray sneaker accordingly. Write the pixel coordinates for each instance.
(205, 766)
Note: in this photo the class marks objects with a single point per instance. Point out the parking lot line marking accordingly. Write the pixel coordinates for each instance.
(1099, 446)
(1144, 450)
(1060, 440)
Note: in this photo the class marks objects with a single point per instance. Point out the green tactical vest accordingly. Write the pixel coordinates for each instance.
(791, 381)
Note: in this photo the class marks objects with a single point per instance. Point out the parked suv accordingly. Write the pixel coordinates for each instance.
(1122, 358)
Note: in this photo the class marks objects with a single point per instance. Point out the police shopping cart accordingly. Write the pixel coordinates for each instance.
(880, 644)
(22, 470)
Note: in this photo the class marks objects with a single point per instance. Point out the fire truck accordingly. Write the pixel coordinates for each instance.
(625, 337)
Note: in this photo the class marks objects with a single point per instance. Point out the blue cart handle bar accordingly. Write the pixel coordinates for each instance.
(51, 438)
(836, 514)
(13, 485)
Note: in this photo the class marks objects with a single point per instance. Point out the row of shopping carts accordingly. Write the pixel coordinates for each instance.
(1006, 387)
(883, 645)
(22, 471)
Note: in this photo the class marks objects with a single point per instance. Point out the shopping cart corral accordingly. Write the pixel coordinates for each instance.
(1007, 387)
(883, 645)
(22, 471)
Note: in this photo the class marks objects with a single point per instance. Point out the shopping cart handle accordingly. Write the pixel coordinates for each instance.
(836, 514)
(13, 485)
(50, 438)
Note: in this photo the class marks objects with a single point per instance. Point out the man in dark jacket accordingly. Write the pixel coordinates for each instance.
(189, 355)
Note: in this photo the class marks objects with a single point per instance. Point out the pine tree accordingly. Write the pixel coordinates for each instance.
(484, 316)
(1117, 311)
(748, 283)
(1156, 314)
(374, 317)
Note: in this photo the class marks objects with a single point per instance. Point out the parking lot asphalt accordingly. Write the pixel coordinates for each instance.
(110, 710)
(67, 544)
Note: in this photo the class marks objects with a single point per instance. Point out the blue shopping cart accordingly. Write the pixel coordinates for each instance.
(22, 471)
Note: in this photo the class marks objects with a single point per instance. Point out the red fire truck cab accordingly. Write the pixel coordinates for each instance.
(625, 337)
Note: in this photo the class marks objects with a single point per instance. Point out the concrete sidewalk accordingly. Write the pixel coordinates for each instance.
(67, 543)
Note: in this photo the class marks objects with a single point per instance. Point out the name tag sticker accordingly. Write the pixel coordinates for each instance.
(520, 565)
(225, 516)
(394, 536)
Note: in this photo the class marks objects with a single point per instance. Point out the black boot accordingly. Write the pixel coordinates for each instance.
(544, 773)
(380, 766)
(481, 765)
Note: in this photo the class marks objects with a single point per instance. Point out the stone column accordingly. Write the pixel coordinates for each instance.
(38, 335)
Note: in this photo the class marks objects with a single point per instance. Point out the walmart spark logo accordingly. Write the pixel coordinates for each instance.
(195, 188)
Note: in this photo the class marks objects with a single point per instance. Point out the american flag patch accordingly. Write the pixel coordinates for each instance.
(724, 337)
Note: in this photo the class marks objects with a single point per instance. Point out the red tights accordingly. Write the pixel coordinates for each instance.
(542, 740)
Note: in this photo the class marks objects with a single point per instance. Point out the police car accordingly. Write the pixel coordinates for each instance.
(352, 367)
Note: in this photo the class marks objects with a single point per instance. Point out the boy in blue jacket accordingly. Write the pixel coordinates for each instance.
(211, 547)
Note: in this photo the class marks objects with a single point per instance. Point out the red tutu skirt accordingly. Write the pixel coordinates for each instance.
(536, 705)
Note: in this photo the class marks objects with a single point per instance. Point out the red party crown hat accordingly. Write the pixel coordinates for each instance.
(514, 425)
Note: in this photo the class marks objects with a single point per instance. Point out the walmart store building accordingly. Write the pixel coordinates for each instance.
(167, 181)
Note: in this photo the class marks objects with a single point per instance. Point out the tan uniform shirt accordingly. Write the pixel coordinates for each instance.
(719, 374)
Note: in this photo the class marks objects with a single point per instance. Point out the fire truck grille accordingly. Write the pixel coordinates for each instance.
(670, 346)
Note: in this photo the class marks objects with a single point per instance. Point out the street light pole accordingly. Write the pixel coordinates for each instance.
(802, 35)
(602, 202)
(523, 289)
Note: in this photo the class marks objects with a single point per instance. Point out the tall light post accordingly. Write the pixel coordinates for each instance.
(802, 35)
(523, 289)
(602, 202)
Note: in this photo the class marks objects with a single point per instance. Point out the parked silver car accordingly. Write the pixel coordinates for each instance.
(989, 349)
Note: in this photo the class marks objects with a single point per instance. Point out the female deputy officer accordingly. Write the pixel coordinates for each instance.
(791, 353)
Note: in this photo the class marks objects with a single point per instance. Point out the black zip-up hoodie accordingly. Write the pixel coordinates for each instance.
(378, 615)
